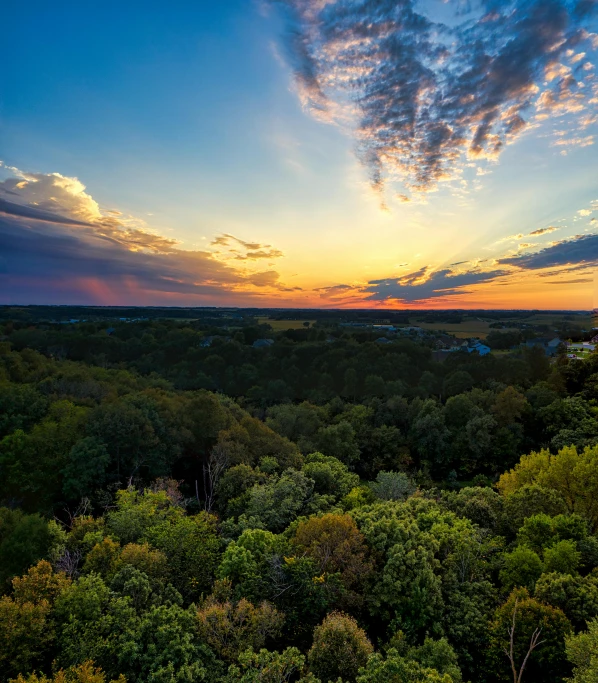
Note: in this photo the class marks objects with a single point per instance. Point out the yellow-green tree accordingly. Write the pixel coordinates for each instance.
(572, 474)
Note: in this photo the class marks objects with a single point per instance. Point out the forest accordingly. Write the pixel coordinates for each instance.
(179, 505)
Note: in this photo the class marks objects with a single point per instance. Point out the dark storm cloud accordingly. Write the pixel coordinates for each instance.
(426, 92)
(579, 250)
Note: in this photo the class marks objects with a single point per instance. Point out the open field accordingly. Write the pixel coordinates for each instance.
(281, 325)
(584, 321)
(468, 328)
(476, 327)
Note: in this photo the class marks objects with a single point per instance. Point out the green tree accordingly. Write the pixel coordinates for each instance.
(338, 441)
(521, 567)
(562, 557)
(397, 669)
(576, 596)
(330, 475)
(85, 471)
(24, 539)
(571, 474)
(340, 648)
(523, 627)
(392, 486)
(582, 652)
(268, 667)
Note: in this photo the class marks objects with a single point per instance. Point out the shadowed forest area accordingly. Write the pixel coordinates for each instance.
(180, 504)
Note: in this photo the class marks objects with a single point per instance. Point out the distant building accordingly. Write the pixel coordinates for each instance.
(383, 340)
(208, 341)
(549, 346)
(262, 343)
(480, 348)
(594, 340)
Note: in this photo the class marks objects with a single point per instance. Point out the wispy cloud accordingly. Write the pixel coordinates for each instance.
(422, 94)
(253, 250)
(543, 231)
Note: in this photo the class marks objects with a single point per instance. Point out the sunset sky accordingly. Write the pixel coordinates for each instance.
(309, 153)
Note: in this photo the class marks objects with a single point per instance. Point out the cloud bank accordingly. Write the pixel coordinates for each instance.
(58, 246)
(422, 94)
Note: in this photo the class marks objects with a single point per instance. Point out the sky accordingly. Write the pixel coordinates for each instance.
(300, 153)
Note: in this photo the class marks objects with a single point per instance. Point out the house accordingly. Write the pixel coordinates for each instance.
(208, 341)
(262, 343)
(383, 340)
(477, 345)
(445, 341)
(594, 340)
(549, 346)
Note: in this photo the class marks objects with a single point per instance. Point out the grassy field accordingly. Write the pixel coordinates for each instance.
(474, 327)
(280, 325)
(468, 328)
(552, 319)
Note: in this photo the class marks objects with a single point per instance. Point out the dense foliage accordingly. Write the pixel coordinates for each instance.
(323, 509)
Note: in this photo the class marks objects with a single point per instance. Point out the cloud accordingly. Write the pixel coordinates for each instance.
(254, 250)
(421, 95)
(426, 284)
(543, 231)
(582, 249)
(58, 246)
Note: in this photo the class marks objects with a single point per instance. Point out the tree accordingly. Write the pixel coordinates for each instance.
(193, 548)
(528, 637)
(127, 629)
(392, 486)
(24, 539)
(233, 627)
(275, 504)
(268, 667)
(516, 667)
(340, 648)
(437, 655)
(530, 500)
(562, 557)
(27, 631)
(572, 475)
(25, 636)
(213, 470)
(582, 652)
(338, 440)
(83, 673)
(397, 669)
(337, 546)
(576, 596)
(521, 567)
(330, 475)
(510, 405)
(86, 468)
(457, 383)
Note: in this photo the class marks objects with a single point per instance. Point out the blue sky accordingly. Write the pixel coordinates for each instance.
(208, 120)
